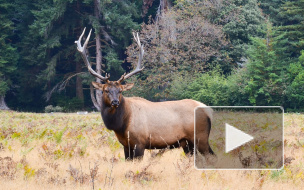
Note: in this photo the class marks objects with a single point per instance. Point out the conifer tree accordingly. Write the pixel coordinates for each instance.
(241, 20)
(292, 27)
(265, 72)
(8, 53)
(295, 91)
(48, 47)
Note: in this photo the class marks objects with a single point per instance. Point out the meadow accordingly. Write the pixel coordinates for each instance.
(70, 151)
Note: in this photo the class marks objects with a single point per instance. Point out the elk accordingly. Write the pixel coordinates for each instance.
(140, 124)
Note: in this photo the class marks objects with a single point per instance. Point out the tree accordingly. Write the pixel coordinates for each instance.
(271, 9)
(291, 27)
(241, 20)
(295, 91)
(171, 49)
(49, 51)
(9, 55)
(266, 73)
(108, 15)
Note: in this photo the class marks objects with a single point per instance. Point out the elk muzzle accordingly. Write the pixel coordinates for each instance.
(115, 103)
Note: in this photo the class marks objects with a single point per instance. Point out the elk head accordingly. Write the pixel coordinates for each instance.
(112, 90)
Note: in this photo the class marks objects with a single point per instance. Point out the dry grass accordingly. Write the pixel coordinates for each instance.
(69, 151)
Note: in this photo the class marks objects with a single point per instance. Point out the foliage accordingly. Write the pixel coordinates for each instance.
(179, 86)
(170, 49)
(8, 51)
(210, 88)
(266, 79)
(48, 53)
(69, 104)
(215, 89)
(295, 91)
(291, 18)
(241, 20)
(264, 83)
(271, 9)
(246, 51)
(50, 108)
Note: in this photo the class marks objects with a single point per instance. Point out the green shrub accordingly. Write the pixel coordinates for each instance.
(237, 95)
(74, 104)
(50, 108)
(210, 88)
(179, 86)
(69, 104)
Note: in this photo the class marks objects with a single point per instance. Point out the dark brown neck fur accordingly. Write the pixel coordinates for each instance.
(116, 119)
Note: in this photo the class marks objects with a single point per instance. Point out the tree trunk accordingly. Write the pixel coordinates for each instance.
(95, 103)
(98, 52)
(3, 105)
(79, 89)
(164, 5)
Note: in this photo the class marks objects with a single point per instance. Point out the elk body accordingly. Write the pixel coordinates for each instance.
(140, 124)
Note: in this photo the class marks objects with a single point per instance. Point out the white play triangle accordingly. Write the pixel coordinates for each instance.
(235, 138)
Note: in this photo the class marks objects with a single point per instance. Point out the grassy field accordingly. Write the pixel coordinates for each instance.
(70, 151)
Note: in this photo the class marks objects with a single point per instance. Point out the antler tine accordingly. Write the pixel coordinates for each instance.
(79, 48)
(82, 50)
(140, 58)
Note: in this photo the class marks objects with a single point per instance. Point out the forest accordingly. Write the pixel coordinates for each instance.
(219, 52)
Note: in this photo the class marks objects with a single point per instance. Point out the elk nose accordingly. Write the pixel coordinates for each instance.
(115, 103)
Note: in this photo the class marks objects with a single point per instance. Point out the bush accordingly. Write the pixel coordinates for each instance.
(68, 104)
(210, 88)
(74, 104)
(179, 85)
(237, 95)
(50, 108)
(213, 88)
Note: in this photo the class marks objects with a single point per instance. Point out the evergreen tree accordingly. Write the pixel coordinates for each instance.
(241, 20)
(295, 91)
(291, 27)
(8, 53)
(271, 9)
(265, 72)
(48, 49)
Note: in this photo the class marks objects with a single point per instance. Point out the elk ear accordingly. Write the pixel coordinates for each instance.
(98, 85)
(127, 86)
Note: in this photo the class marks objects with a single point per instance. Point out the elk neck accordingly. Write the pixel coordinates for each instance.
(115, 119)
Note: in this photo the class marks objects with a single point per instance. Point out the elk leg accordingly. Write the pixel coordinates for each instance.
(203, 146)
(202, 132)
(139, 152)
(128, 153)
(188, 147)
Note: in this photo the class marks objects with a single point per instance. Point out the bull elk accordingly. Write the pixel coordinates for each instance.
(140, 124)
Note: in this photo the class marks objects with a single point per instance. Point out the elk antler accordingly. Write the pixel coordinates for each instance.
(140, 57)
(82, 50)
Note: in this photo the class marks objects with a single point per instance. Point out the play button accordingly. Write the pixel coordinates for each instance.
(235, 138)
(240, 137)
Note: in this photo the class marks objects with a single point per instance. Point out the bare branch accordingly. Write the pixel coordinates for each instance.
(60, 86)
